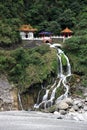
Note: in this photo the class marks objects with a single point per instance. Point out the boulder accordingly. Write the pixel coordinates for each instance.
(76, 101)
(80, 105)
(59, 116)
(85, 108)
(62, 106)
(62, 112)
(71, 110)
(75, 107)
(56, 113)
(69, 101)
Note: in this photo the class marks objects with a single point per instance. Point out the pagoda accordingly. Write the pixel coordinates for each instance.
(66, 32)
(27, 32)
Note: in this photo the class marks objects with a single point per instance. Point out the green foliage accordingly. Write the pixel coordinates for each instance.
(8, 35)
(54, 27)
(28, 66)
(59, 92)
(76, 48)
(42, 49)
(44, 15)
(81, 25)
(76, 43)
(67, 19)
(64, 61)
(84, 81)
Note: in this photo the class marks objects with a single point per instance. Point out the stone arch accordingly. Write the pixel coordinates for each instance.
(47, 41)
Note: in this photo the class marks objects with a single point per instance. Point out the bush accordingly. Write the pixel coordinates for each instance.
(29, 66)
(8, 35)
(76, 49)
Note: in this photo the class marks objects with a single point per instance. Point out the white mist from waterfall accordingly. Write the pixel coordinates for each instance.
(62, 80)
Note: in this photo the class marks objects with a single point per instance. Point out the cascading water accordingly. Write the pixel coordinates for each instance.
(20, 102)
(62, 75)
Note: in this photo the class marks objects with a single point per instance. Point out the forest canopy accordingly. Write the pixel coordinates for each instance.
(45, 15)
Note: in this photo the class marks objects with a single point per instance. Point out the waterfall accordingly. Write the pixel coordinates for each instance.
(20, 102)
(62, 75)
(46, 95)
(60, 71)
(68, 66)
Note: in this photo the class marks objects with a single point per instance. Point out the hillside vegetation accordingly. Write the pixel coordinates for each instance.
(43, 14)
(27, 67)
(24, 66)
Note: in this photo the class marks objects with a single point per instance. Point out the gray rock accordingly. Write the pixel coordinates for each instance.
(59, 116)
(85, 103)
(69, 101)
(76, 101)
(80, 105)
(85, 108)
(75, 116)
(62, 112)
(75, 107)
(62, 106)
(81, 111)
(85, 94)
(57, 113)
(1, 102)
(71, 110)
(6, 99)
(86, 99)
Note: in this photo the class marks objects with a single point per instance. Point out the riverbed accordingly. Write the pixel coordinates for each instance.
(31, 120)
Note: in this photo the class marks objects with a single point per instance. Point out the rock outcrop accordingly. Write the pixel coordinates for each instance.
(8, 95)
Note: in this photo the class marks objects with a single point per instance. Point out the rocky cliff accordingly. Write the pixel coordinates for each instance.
(8, 95)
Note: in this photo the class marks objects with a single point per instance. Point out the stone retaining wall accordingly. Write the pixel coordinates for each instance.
(36, 42)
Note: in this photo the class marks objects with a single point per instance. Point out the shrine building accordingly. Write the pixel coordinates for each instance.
(66, 32)
(27, 32)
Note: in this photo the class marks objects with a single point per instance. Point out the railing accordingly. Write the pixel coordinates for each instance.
(43, 38)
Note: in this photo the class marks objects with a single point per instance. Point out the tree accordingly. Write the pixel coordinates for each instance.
(67, 19)
(8, 35)
(54, 27)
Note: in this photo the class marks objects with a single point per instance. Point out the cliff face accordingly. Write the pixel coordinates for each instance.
(8, 95)
(27, 69)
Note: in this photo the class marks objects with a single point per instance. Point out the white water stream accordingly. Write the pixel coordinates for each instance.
(62, 75)
(20, 102)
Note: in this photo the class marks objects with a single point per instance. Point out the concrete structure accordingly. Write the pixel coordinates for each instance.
(30, 43)
(28, 39)
(27, 32)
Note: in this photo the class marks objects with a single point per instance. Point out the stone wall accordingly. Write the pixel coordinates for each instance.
(31, 43)
(57, 40)
(36, 42)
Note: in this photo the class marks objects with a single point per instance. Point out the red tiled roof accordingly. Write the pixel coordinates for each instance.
(66, 30)
(27, 28)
